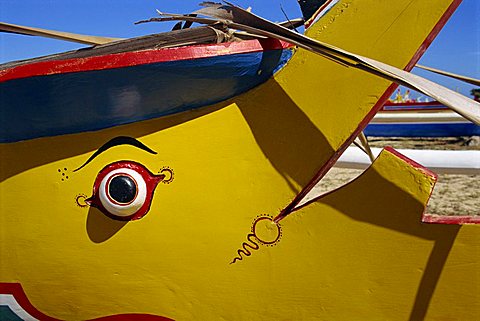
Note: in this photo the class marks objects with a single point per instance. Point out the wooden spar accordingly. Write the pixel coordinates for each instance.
(470, 80)
(236, 17)
(366, 146)
(60, 35)
(177, 38)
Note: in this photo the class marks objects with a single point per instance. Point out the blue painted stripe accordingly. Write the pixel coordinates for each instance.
(69, 103)
(6, 314)
(414, 107)
(423, 130)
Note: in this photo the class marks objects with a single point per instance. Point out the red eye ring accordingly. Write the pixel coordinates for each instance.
(139, 201)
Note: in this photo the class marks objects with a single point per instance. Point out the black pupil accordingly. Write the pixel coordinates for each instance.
(122, 189)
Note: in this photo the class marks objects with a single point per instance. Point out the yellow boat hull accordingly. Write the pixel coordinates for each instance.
(360, 253)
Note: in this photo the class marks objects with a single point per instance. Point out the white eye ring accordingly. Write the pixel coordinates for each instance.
(119, 209)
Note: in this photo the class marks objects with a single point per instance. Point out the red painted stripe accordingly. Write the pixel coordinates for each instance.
(433, 34)
(133, 317)
(413, 103)
(403, 109)
(450, 219)
(421, 50)
(136, 58)
(16, 290)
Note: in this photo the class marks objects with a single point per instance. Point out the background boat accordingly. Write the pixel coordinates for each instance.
(419, 119)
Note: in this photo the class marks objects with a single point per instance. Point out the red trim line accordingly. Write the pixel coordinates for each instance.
(16, 290)
(416, 57)
(421, 50)
(133, 317)
(413, 103)
(450, 219)
(404, 109)
(135, 58)
(433, 34)
(326, 167)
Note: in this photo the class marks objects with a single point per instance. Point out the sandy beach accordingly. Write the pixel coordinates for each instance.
(452, 195)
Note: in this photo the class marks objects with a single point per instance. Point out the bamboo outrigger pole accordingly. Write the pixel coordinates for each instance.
(470, 80)
(60, 35)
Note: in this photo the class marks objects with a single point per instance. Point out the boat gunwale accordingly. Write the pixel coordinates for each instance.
(140, 57)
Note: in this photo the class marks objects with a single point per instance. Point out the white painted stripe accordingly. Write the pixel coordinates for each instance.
(320, 14)
(418, 117)
(9, 301)
(465, 162)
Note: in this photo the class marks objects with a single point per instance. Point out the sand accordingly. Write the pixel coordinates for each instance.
(452, 195)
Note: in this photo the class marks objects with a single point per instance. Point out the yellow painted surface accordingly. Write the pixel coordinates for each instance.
(360, 253)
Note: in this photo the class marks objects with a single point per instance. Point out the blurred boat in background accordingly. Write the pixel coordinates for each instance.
(405, 117)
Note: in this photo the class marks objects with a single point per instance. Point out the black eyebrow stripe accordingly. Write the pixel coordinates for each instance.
(120, 140)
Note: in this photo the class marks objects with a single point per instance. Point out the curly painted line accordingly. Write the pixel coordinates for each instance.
(246, 251)
(80, 200)
(170, 171)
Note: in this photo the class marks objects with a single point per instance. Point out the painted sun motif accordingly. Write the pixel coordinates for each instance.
(264, 231)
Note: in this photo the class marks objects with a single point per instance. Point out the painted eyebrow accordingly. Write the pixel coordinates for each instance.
(120, 140)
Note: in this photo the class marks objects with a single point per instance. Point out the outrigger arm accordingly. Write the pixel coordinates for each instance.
(60, 35)
(470, 80)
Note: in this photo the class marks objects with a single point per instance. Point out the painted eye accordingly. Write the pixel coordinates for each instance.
(124, 190)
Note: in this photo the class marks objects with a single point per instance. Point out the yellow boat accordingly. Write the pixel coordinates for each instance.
(89, 230)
